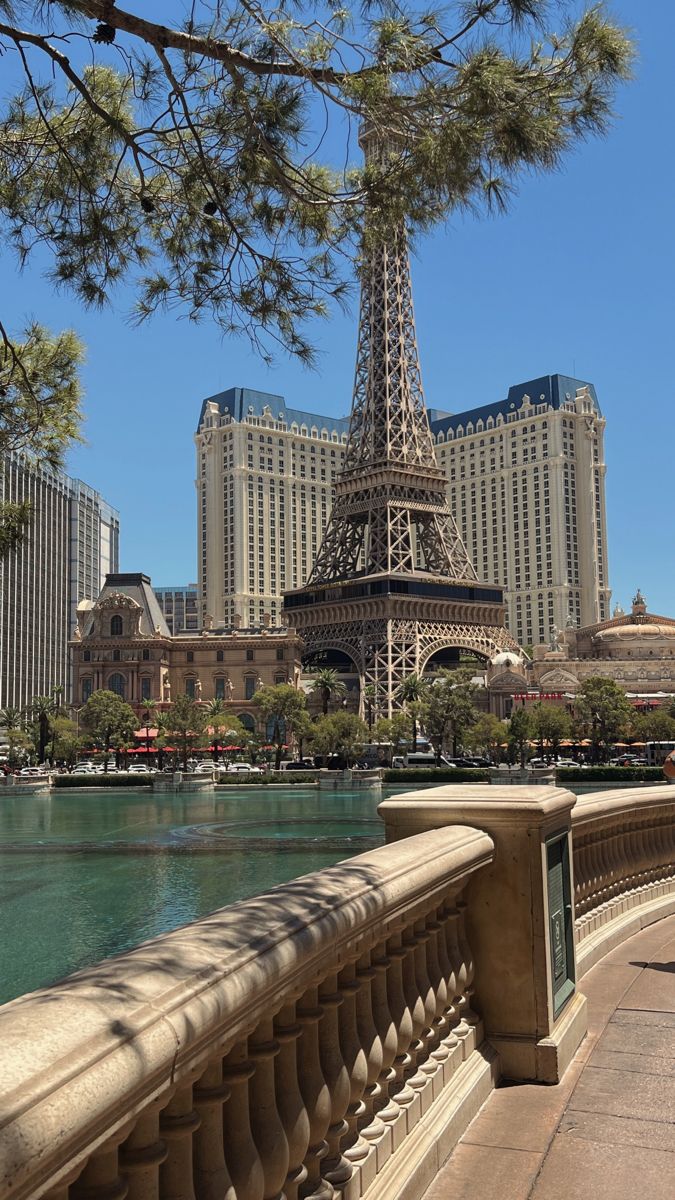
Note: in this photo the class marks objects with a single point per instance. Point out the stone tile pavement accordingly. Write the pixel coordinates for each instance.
(606, 1131)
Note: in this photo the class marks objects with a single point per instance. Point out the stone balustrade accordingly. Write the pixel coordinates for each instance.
(316, 1039)
(623, 846)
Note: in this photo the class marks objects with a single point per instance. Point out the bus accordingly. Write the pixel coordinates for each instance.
(657, 752)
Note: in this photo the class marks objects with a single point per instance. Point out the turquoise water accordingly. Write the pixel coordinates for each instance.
(86, 875)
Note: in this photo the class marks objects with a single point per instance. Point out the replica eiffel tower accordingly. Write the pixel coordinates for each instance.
(392, 583)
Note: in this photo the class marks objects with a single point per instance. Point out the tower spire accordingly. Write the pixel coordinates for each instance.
(390, 512)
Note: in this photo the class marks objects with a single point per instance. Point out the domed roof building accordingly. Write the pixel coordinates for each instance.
(636, 649)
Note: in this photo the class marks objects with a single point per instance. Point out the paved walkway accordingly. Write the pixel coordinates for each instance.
(608, 1130)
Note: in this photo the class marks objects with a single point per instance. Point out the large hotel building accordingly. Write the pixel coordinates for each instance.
(526, 483)
(70, 544)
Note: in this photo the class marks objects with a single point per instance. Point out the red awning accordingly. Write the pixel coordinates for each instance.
(146, 733)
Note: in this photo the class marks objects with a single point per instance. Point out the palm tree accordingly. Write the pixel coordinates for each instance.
(410, 692)
(369, 695)
(216, 711)
(41, 709)
(148, 717)
(12, 720)
(328, 683)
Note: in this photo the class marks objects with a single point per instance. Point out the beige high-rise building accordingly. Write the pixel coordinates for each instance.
(526, 483)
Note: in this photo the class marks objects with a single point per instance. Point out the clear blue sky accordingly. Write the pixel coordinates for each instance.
(578, 279)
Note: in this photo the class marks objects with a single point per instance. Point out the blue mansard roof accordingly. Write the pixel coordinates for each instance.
(244, 402)
(552, 390)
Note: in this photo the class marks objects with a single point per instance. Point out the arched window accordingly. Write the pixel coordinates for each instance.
(247, 721)
(87, 656)
(116, 627)
(117, 684)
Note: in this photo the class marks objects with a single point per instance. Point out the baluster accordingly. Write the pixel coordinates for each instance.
(460, 1026)
(266, 1127)
(415, 1077)
(368, 1126)
(241, 1155)
(428, 1064)
(353, 1147)
(62, 1191)
(335, 1167)
(177, 1124)
(101, 1179)
(470, 1016)
(290, 1105)
(211, 1176)
(440, 1026)
(385, 1108)
(448, 972)
(142, 1153)
(315, 1095)
(403, 1022)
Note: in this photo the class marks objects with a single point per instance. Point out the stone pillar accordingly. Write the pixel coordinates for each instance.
(524, 973)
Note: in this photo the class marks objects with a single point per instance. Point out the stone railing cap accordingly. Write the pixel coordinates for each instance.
(469, 801)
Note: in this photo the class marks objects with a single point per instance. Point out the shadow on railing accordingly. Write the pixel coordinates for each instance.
(289, 1044)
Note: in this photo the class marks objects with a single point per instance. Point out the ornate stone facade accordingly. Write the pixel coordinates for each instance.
(636, 650)
(123, 644)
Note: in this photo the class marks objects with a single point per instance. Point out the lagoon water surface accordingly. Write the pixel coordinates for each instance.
(84, 875)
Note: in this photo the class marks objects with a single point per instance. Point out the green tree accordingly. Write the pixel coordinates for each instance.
(109, 721)
(39, 407)
(651, 727)
(190, 160)
(280, 704)
(395, 730)
(328, 684)
(411, 693)
(18, 741)
(341, 735)
(217, 717)
(65, 740)
(302, 728)
(488, 733)
(186, 721)
(603, 712)
(448, 710)
(550, 725)
(520, 733)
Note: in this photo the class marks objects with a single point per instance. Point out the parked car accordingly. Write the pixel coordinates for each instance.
(139, 769)
(85, 768)
(31, 772)
(242, 768)
(298, 766)
(204, 768)
(566, 762)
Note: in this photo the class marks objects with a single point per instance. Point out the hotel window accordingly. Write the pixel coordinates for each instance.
(116, 628)
(220, 689)
(249, 687)
(146, 692)
(190, 688)
(86, 690)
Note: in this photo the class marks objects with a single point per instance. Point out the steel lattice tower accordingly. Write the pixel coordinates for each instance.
(392, 582)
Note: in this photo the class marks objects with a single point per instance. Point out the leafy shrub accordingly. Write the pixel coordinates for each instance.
(436, 775)
(285, 777)
(610, 775)
(116, 781)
